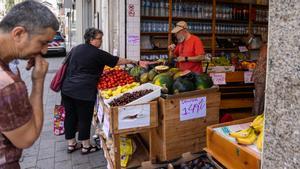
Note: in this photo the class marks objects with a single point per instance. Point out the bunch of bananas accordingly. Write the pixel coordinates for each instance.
(249, 136)
(120, 89)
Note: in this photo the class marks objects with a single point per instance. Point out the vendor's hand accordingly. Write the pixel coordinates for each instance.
(180, 59)
(171, 47)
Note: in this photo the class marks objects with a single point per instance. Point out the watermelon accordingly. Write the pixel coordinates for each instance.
(144, 78)
(181, 74)
(203, 81)
(183, 85)
(165, 81)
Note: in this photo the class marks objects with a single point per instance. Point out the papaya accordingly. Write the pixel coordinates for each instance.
(152, 73)
(144, 78)
(183, 85)
(203, 81)
(165, 81)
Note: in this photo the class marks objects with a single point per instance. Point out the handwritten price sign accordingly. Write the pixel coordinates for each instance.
(248, 77)
(192, 108)
(218, 78)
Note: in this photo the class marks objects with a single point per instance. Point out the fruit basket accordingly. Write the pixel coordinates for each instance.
(156, 92)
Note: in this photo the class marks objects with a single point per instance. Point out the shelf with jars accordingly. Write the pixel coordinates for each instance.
(217, 18)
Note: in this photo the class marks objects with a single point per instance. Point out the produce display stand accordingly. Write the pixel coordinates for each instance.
(175, 136)
(237, 97)
(228, 153)
(116, 130)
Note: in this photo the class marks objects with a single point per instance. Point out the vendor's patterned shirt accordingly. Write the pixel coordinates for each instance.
(15, 111)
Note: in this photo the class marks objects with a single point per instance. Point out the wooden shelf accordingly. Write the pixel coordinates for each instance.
(230, 34)
(201, 34)
(231, 21)
(260, 23)
(191, 19)
(155, 33)
(227, 49)
(235, 2)
(154, 51)
(154, 18)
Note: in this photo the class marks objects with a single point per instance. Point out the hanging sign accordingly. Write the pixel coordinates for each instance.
(192, 108)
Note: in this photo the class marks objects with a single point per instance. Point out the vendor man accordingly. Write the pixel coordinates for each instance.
(189, 51)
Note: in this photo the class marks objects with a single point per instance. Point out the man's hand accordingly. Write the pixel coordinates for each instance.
(40, 68)
(171, 47)
(180, 59)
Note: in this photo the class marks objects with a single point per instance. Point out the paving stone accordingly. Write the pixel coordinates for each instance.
(61, 145)
(78, 158)
(62, 156)
(45, 143)
(45, 164)
(63, 165)
(82, 166)
(46, 153)
(28, 162)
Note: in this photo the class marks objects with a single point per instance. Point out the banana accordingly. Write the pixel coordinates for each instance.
(258, 123)
(248, 140)
(241, 133)
(260, 140)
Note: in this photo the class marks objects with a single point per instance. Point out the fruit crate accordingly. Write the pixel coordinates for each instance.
(124, 121)
(177, 134)
(151, 96)
(229, 153)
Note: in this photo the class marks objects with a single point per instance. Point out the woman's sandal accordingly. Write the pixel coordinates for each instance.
(72, 148)
(90, 149)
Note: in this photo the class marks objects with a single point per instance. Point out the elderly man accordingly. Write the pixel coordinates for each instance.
(24, 34)
(189, 51)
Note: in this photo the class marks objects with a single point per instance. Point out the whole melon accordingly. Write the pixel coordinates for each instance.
(183, 85)
(165, 81)
(203, 81)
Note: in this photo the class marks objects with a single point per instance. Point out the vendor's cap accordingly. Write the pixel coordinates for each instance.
(179, 26)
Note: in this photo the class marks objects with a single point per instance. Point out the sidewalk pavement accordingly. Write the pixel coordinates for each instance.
(50, 151)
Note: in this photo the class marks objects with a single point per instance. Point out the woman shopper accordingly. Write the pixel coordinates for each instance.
(79, 88)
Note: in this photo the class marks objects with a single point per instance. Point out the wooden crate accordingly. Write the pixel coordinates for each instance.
(116, 122)
(174, 137)
(230, 154)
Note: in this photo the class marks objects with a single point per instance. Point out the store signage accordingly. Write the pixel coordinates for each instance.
(248, 77)
(134, 116)
(218, 78)
(133, 40)
(106, 125)
(192, 108)
(131, 10)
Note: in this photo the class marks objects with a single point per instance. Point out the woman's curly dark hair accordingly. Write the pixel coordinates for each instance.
(90, 34)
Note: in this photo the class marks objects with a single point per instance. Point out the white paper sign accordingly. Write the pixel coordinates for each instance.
(243, 49)
(100, 112)
(134, 116)
(192, 108)
(133, 40)
(105, 126)
(218, 78)
(248, 77)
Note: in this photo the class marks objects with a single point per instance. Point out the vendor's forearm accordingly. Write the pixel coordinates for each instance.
(196, 58)
(123, 61)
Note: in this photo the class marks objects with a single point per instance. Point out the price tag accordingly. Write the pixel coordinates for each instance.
(243, 49)
(134, 116)
(192, 108)
(218, 78)
(248, 77)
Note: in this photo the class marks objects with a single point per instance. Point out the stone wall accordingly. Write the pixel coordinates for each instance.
(282, 126)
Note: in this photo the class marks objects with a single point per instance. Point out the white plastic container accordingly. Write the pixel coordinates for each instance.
(145, 99)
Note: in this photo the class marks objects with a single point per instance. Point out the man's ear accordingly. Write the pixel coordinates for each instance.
(18, 33)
